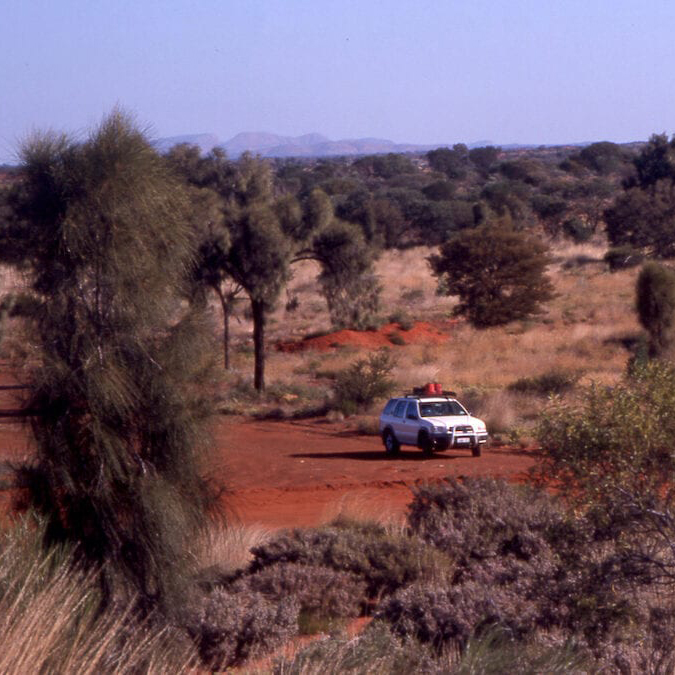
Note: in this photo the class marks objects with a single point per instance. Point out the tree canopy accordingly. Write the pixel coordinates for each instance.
(120, 367)
(498, 273)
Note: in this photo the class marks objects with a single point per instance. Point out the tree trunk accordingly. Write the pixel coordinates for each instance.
(258, 311)
(226, 326)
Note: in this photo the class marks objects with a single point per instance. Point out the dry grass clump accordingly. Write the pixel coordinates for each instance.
(227, 547)
(576, 333)
(50, 619)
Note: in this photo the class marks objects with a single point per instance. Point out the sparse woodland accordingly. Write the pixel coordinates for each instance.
(148, 294)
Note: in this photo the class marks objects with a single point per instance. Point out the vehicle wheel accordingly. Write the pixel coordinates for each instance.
(475, 451)
(426, 444)
(391, 445)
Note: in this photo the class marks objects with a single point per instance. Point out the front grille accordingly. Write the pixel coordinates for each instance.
(464, 430)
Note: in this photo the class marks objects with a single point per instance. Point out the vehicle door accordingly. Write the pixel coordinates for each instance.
(398, 421)
(410, 425)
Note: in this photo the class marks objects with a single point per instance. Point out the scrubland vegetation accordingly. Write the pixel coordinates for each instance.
(129, 325)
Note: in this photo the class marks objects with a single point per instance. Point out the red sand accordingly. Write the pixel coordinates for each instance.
(421, 332)
(285, 474)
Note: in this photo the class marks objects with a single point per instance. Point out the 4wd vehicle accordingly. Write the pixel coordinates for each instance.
(433, 422)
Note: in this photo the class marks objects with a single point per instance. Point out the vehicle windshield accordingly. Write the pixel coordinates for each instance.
(441, 409)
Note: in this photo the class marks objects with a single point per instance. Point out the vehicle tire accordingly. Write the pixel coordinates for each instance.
(391, 445)
(475, 451)
(426, 444)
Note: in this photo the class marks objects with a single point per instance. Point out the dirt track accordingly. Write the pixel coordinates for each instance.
(283, 474)
(301, 473)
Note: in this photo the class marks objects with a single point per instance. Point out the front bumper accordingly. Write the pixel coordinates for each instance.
(459, 439)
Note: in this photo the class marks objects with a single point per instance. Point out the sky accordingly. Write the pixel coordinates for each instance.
(412, 71)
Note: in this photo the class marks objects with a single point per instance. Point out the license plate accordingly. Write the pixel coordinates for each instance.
(463, 440)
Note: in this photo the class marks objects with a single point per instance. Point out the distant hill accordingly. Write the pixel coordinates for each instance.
(307, 145)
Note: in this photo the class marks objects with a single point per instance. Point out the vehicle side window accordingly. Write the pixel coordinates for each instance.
(389, 408)
(400, 408)
(411, 414)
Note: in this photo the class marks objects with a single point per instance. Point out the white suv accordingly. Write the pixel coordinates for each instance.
(430, 423)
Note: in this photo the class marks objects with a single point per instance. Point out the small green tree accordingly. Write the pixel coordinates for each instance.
(260, 252)
(655, 304)
(484, 158)
(119, 369)
(210, 181)
(347, 278)
(643, 216)
(498, 273)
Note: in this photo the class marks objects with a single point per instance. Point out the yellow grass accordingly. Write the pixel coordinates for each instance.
(578, 332)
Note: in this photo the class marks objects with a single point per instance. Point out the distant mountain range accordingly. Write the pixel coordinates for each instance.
(308, 145)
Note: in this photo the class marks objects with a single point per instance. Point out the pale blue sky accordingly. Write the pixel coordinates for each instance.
(421, 71)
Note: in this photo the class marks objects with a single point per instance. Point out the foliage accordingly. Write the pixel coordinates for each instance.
(479, 519)
(383, 560)
(497, 272)
(484, 158)
(602, 157)
(445, 616)
(523, 566)
(50, 618)
(655, 304)
(347, 275)
(622, 257)
(120, 369)
(644, 215)
(364, 382)
(552, 382)
(231, 627)
(578, 230)
(320, 591)
(617, 439)
(375, 651)
(385, 166)
(451, 162)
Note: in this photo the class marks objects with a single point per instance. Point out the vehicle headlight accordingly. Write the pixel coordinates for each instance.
(440, 429)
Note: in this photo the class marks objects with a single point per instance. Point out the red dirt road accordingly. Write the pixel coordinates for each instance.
(285, 474)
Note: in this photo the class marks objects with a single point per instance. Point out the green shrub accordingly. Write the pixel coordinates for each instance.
(552, 382)
(498, 272)
(320, 591)
(481, 518)
(384, 561)
(364, 382)
(231, 627)
(655, 304)
(577, 230)
(623, 257)
(375, 651)
(616, 439)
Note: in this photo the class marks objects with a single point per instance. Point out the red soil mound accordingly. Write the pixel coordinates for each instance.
(390, 334)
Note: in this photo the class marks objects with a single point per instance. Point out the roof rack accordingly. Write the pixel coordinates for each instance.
(422, 394)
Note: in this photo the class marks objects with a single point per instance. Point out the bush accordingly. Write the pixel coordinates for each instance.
(321, 591)
(481, 518)
(655, 303)
(552, 382)
(368, 379)
(522, 564)
(577, 230)
(445, 617)
(231, 627)
(376, 650)
(623, 257)
(497, 272)
(617, 439)
(384, 561)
